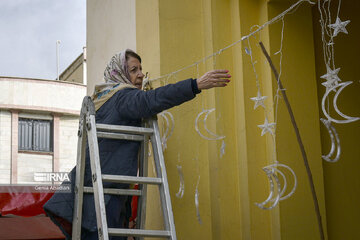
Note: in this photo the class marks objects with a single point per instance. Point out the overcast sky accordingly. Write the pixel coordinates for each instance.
(28, 33)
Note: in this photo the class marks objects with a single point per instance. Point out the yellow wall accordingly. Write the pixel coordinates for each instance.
(186, 31)
(342, 178)
(172, 34)
(299, 79)
(230, 185)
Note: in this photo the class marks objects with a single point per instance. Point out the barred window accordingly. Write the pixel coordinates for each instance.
(35, 135)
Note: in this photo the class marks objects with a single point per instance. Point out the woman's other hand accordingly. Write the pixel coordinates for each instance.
(214, 78)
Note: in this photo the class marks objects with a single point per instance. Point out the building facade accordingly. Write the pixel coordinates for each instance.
(38, 127)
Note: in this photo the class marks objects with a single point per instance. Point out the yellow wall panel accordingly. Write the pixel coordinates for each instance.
(174, 34)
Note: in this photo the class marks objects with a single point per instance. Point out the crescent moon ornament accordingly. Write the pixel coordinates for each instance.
(149, 154)
(166, 134)
(197, 201)
(335, 142)
(214, 136)
(274, 167)
(347, 119)
(181, 191)
(205, 126)
(271, 181)
(222, 148)
(284, 179)
(163, 137)
(276, 196)
(275, 200)
(149, 151)
(343, 85)
(196, 125)
(271, 176)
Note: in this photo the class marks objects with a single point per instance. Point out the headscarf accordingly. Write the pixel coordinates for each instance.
(116, 76)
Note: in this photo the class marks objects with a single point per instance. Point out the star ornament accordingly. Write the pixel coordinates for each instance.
(267, 127)
(259, 100)
(331, 77)
(339, 26)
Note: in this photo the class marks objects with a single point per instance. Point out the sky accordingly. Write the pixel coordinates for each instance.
(29, 30)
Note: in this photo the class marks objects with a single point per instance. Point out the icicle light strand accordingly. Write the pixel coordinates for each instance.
(275, 19)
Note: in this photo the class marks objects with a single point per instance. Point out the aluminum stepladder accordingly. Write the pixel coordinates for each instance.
(89, 130)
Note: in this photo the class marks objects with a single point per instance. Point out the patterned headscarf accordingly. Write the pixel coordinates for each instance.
(116, 76)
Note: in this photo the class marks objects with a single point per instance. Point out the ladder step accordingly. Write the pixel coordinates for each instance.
(114, 191)
(130, 179)
(124, 129)
(120, 136)
(138, 232)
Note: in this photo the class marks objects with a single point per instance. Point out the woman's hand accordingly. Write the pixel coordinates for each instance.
(214, 78)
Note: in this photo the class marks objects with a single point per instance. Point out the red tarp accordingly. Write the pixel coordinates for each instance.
(29, 223)
(27, 202)
(22, 200)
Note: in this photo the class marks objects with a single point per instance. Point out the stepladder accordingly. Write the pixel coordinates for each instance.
(88, 134)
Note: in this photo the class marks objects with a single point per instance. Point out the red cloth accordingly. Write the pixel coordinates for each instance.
(134, 204)
(22, 200)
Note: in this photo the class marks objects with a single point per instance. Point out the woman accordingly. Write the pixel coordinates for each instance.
(121, 101)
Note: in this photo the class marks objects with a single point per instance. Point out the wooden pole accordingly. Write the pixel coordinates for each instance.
(301, 145)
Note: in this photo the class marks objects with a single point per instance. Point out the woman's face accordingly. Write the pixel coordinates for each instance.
(135, 72)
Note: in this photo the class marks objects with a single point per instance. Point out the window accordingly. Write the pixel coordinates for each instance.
(35, 135)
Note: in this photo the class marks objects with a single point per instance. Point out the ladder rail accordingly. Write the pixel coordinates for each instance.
(79, 181)
(161, 173)
(97, 180)
(143, 172)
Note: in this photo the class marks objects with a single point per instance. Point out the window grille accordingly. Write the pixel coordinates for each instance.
(35, 135)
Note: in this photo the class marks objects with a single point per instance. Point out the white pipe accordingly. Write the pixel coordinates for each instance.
(57, 58)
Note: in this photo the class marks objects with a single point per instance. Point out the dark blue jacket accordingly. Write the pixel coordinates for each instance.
(119, 157)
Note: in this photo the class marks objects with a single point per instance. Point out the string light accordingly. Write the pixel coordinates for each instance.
(273, 20)
(331, 76)
(275, 193)
(266, 127)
